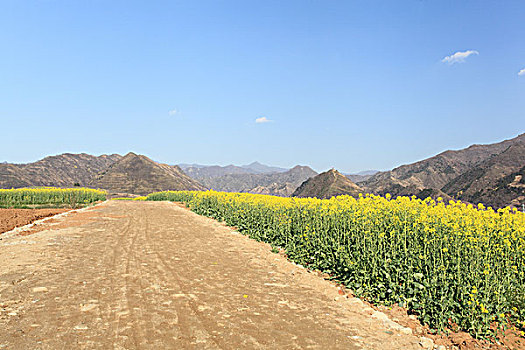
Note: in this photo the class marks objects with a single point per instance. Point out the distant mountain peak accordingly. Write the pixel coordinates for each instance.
(299, 168)
(274, 183)
(259, 168)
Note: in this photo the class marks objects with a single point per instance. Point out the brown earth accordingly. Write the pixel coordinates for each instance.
(11, 218)
(129, 275)
(509, 339)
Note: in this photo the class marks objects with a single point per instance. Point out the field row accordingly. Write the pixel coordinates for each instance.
(49, 196)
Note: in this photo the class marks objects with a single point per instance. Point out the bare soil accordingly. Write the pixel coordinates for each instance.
(11, 218)
(152, 275)
(510, 339)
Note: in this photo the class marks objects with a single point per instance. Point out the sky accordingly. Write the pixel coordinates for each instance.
(353, 85)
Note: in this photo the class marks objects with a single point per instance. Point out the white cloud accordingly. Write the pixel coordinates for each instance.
(262, 120)
(522, 72)
(173, 112)
(459, 57)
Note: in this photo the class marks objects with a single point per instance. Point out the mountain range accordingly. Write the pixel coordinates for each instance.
(492, 174)
(276, 183)
(209, 171)
(477, 174)
(65, 170)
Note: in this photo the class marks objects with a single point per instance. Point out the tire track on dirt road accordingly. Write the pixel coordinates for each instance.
(122, 261)
(187, 310)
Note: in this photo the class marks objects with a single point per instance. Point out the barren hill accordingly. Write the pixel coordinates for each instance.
(280, 184)
(495, 182)
(454, 171)
(328, 184)
(64, 170)
(137, 174)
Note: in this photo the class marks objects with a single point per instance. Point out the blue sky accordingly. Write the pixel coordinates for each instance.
(353, 85)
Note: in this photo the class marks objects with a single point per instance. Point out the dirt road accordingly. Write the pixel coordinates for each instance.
(152, 275)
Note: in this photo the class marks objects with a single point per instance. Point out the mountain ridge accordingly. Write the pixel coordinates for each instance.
(259, 168)
(442, 169)
(488, 173)
(199, 171)
(281, 184)
(63, 170)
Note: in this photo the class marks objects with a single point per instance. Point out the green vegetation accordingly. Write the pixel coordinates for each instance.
(49, 197)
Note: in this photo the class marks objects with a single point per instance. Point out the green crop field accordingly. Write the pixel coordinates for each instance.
(49, 197)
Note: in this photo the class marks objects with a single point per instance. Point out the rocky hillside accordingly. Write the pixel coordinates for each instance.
(328, 184)
(64, 170)
(137, 174)
(498, 181)
(472, 174)
(280, 184)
